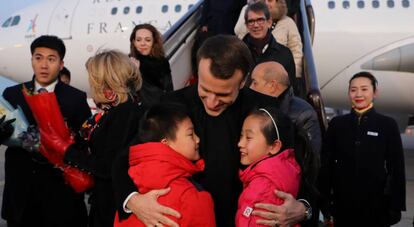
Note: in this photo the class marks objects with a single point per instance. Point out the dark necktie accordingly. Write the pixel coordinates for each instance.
(42, 90)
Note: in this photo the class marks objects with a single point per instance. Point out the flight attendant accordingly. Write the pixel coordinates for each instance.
(362, 172)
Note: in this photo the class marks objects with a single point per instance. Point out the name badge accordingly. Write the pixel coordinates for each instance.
(247, 211)
(372, 133)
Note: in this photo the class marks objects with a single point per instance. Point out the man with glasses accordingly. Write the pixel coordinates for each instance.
(261, 42)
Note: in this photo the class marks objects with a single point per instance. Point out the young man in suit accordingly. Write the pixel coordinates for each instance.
(35, 193)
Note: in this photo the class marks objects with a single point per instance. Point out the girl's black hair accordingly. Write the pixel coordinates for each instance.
(284, 125)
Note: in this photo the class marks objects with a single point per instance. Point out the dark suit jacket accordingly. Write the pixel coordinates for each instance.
(29, 181)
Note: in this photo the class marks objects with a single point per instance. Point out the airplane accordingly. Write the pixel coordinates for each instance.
(365, 35)
(349, 36)
(85, 27)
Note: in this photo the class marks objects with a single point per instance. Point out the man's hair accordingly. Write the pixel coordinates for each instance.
(227, 54)
(161, 122)
(51, 42)
(257, 7)
(367, 75)
(65, 71)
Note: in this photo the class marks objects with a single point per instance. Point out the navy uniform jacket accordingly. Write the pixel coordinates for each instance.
(363, 165)
(28, 181)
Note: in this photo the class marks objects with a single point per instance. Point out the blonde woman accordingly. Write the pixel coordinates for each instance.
(114, 81)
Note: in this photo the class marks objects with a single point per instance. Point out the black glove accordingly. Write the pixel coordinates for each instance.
(6, 128)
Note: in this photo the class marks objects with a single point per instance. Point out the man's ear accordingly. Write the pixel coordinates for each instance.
(164, 141)
(62, 64)
(274, 86)
(269, 23)
(275, 148)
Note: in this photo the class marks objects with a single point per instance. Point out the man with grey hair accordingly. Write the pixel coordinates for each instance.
(270, 78)
(262, 45)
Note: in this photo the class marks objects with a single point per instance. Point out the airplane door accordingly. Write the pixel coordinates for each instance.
(62, 18)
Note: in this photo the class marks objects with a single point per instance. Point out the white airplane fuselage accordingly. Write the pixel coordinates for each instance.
(360, 37)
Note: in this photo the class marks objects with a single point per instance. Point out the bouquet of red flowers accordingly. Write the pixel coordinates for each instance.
(46, 112)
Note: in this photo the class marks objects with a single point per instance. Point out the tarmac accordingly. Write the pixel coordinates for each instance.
(407, 216)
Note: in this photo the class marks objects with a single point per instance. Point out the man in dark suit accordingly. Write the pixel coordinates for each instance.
(35, 193)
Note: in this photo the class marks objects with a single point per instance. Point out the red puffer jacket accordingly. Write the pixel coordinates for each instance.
(157, 166)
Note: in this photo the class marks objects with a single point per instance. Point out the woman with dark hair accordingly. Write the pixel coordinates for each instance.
(362, 175)
(147, 48)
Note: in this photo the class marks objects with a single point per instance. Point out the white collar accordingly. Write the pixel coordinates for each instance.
(49, 88)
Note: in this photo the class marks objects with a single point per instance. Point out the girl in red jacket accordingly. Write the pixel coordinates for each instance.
(168, 157)
(265, 144)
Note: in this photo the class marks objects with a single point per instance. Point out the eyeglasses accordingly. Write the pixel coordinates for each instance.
(259, 21)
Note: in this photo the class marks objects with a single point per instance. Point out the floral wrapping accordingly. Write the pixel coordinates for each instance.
(20, 125)
(46, 112)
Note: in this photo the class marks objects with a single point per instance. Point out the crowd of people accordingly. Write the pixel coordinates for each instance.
(236, 148)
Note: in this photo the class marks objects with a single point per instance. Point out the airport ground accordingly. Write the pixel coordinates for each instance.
(407, 217)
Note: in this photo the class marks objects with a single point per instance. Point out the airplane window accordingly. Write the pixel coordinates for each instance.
(189, 6)
(345, 4)
(375, 4)
(164, 9)
(114, 11)
(178, 8)
(406, 3)
(139, 10)
(7, 23)
(126, 10)
(390, 3)
(361, 4)
(331, 4)
(16, 20)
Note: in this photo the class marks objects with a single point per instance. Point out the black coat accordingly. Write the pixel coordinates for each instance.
(114, 131)
(273, 51)
(363, 165)
(220, 16)
(156, 77)
(35, 192)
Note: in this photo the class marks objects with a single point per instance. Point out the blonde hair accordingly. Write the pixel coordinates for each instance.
(113, 70)
(280, 10)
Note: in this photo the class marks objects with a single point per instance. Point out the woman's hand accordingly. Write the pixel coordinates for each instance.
(204, 29)
(289, 213)
(135, 61)
(149, 211)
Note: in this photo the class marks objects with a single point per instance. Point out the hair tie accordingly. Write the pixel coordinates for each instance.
(274, 123)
